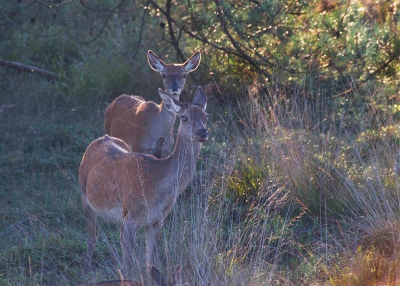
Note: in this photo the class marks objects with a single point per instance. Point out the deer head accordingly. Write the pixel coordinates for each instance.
(174, 75)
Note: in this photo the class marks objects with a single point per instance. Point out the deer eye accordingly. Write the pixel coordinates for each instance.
(183, 118)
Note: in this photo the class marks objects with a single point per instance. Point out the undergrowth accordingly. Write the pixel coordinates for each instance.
(273, 201)
(291, 189)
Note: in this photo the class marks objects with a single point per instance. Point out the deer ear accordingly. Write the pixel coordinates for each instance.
(154, 62)
(192, 63)
(170, 103)
(200, 98)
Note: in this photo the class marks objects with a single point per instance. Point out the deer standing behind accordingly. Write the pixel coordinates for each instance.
(145, 126)
(158, 278)
(138, 190)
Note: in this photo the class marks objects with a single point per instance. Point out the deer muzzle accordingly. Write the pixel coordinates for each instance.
(202, 135)
(175, 89)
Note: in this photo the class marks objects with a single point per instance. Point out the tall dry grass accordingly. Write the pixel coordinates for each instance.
(296, 186)
(286, 192)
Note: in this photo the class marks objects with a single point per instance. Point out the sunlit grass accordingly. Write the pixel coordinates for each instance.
(273, 200)
(291, 189)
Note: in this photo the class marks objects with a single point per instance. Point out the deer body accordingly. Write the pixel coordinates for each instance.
(138, 190)
(145, 126)
(130, 177)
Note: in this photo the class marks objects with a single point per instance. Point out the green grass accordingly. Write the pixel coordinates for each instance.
(273, 200)
(289, 190)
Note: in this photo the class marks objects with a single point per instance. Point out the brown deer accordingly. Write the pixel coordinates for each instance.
(157, 277)
(138, 190)
(145, 126)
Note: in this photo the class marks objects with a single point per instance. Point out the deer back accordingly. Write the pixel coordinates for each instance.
(145, 126)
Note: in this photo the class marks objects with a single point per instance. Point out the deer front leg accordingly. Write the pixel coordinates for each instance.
(93, 230)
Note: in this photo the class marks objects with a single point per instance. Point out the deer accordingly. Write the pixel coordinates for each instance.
(158, 278)
(145, 126)
(136, 190)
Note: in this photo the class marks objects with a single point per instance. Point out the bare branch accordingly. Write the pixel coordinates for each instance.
(105, 23)
(50, 7)
(140, 34)
(25, 31)
(29, 69)
(175, 42)
(204, 40)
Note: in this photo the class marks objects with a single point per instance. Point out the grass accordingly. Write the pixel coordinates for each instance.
(274, 201)
(289, 190)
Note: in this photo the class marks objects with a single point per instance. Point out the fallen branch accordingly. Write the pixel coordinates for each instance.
(24, 68)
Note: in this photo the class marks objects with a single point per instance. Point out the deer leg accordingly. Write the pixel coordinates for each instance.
(93, 231)
(128, 230)
(153, 238)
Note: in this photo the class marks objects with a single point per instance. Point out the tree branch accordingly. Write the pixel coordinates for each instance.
(140, 35)
(29, 69)
(25, 31)
(175, 42)
(194, 36)
(105, 23)
(381, 68)
(242, 53)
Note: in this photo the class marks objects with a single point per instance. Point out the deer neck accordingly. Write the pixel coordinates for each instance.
(166, 113)
(164, 121)
(184, 159)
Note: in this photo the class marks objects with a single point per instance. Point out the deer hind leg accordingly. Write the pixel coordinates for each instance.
(153, 233)
(93, 230)
(128, 230)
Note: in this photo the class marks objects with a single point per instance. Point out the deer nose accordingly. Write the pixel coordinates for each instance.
(174, 87)
(202, 135)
